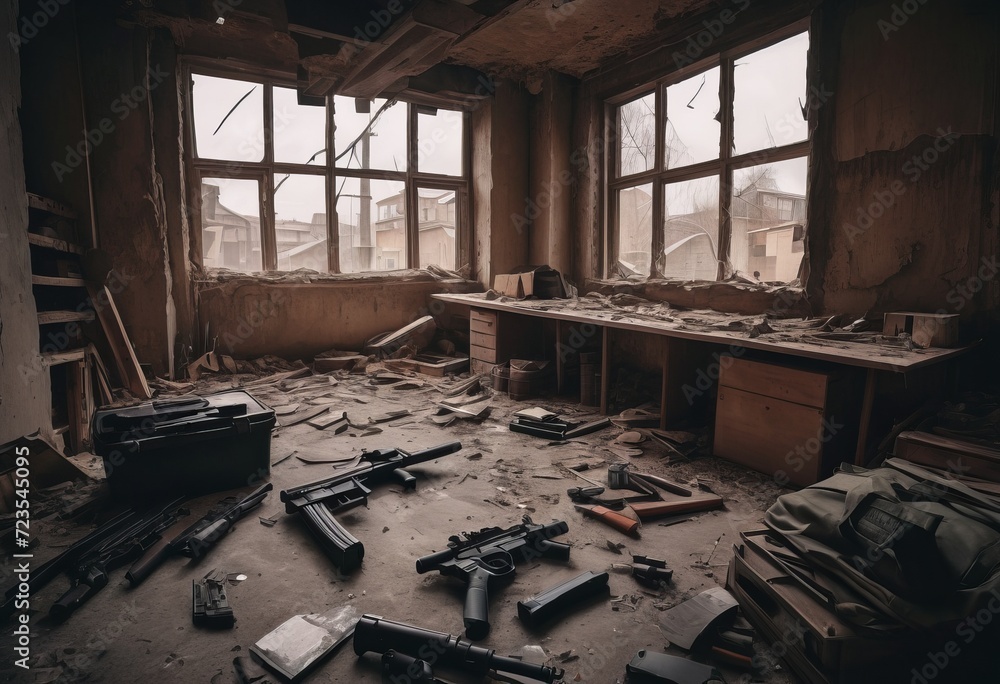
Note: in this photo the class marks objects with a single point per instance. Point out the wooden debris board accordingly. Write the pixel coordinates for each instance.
(121, 346)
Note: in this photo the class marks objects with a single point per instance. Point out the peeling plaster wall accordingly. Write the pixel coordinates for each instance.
(129, 196)
(500, 188)
(24, 387)
(904, 192)
(295, 320)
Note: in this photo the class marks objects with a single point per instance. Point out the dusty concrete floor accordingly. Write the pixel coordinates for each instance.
(146, 634)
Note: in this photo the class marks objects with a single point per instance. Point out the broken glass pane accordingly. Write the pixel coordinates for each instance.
(439, 142)
(692, 129)
(384, 145)
(228, 118)
(769, 96)
(230, 224)
(299, 130)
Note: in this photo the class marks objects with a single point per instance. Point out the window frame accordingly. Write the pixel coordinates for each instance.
(267, 168)
(722, 167)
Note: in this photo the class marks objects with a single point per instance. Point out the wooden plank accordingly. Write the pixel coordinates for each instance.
(78, 402)
(867, 404)
(53, 243)
(57, 358)
(605, 367)
(774, 380)
(121, 346)
(50, 317)
(860, 355)
(55, 281)
(769, 435)
(49, 205)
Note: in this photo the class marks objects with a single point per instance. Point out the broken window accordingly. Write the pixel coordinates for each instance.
(737, 120)
(272, 198)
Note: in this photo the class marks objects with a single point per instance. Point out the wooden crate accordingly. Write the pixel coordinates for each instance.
(813, 640)
(791, 423)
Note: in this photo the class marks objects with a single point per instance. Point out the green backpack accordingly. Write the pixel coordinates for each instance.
(905, 546)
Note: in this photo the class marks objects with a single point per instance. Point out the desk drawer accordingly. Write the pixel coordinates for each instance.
(805, 387)
(480, 339)
(483, 323)
(770, 435)
(483, 353)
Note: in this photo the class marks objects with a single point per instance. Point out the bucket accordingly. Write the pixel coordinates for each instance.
(500, 377)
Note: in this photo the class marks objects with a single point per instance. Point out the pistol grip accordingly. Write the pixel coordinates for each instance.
(477, 606)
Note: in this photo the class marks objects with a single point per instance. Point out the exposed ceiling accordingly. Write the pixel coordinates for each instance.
(366, 48)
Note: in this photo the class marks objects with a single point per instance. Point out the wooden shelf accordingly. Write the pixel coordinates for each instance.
(49, 205)
(47, 317)
(56, 358)
(56, 281)
(52, 243)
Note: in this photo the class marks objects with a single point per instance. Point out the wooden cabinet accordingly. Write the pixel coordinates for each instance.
(496, 337)
(795, 424)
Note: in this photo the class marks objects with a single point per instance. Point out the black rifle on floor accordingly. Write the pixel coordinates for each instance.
(89, 571)
(319, 501)
(197, 539)
(378, 635)
(486, 558)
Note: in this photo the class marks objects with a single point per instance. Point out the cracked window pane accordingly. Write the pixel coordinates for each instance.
(692, 129)
(228, 118)
(299, 130)
(635, 229)
(300, 221)
(637, 135)
(383, 147)
(769, 94)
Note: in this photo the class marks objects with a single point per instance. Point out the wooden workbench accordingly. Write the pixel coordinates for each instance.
(795, 342)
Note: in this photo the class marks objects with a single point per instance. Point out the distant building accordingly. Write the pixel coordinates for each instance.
(767, 235)
(436, 230)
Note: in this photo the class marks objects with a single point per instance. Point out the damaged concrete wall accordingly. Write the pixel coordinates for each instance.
(24, 386)
(129, 199)
(500, 182)
(547, 208)
(250, 318)
(904, 182)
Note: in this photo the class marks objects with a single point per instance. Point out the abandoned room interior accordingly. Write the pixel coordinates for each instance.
(464, 341)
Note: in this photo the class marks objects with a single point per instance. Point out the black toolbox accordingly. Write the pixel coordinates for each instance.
(191, 445)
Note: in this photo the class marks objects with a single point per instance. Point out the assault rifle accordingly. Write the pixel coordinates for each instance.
(198, 539)
(486, 558)
(89, 570)
(317, 502)
(422, 647)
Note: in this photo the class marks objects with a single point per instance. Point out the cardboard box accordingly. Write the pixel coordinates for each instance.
(543, 282)
(926, 329)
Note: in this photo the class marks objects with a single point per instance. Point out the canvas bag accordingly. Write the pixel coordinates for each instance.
(907, 546)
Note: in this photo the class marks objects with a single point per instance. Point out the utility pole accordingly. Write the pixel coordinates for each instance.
(367, 229)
